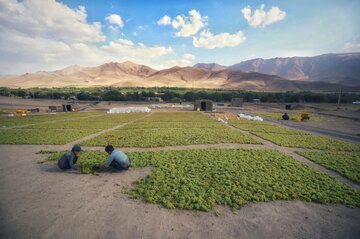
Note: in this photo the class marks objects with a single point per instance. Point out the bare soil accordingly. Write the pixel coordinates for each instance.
(40, 201)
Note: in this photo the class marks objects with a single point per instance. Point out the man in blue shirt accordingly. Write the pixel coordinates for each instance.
(117, 159)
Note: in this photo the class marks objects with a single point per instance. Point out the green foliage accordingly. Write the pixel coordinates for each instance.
(36, 119)
(168, 93)
(201, 179)
(169, 137)
(345, 163)
(89, 159)
(86, 161)
(171, 128)
(177, 116)
(153, 125)
(41, 136)
(308, 141)
(102, 121)
(265, 127)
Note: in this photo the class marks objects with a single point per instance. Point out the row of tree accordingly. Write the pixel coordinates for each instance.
(175, 95)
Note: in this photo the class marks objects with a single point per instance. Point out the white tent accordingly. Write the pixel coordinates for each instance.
(128, 110)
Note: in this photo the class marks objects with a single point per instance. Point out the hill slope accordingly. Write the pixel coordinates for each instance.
(332, 68)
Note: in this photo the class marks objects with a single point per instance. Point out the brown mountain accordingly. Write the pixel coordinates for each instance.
(134, 75)
(332, 68)
(210, 66)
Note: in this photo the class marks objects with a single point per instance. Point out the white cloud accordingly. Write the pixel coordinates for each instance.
(210, 41)
(185, 60)
(47, 19)
(352, 46)
(47, 35)
(189, 25)
(115, 20)
(165, 20)
(261, 17)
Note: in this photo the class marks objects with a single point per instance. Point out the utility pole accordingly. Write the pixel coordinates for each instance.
(339, 99)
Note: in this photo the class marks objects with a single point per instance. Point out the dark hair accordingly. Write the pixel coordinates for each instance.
(109, 148)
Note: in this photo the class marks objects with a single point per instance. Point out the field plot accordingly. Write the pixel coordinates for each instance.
(177, 117)
(256, 126)
(103, 121)
(308, 142)
(41, 136)
(286, 137)
(169, 129)
(345, 163)
(72, 127)
(201, 179)
(35, 119)
(169, 137)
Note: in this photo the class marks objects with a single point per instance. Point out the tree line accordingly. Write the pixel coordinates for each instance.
(175, 94)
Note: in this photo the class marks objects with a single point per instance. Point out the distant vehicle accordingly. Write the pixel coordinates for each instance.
(356, 102)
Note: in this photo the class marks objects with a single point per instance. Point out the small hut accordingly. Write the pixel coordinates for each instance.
(203, 105)
(55, 108)
(237, 102)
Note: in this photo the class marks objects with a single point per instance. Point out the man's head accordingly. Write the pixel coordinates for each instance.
(109, 149)
(76, 149)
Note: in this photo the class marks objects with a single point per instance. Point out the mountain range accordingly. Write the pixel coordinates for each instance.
(324, 73)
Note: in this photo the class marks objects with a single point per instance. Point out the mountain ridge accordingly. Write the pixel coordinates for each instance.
(246, 75)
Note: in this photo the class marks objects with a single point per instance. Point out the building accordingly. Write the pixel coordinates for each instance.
(55, 108)
(203, 105)
(237, 102)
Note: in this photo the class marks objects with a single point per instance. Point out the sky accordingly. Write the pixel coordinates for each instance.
(49, 35)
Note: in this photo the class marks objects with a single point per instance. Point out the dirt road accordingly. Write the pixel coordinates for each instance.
(39, 201)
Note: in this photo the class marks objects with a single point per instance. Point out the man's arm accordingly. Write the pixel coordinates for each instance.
(109, 160)
(71, 161)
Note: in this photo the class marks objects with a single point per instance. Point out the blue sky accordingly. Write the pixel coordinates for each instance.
(225, 35)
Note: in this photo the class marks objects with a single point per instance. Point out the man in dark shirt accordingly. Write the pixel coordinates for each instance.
(68, 160)
(285, 116)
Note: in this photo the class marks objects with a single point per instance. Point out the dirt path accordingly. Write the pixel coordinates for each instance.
(39, 201)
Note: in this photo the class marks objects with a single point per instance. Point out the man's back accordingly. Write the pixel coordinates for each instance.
(119, 157)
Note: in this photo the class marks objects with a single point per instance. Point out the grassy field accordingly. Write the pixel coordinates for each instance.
(169, 137)
(345, 163)
(287, 137)
(308, 142)
(72, 126)
(37, 119)
(42, 136)
(201, 179)
(169, 129)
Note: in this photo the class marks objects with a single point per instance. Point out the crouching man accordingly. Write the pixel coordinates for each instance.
(69, 159)
(117, 159)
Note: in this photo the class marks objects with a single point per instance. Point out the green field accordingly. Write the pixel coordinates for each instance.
(265, 127)
(103, 121)
(37, 119)
(169, 129)
(72, 126)
(201, 179)
(308, 142)
(42, 136)
(287, 137)
(169, 137)
(345, 163)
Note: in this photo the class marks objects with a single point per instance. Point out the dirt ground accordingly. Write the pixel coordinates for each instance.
(40, 201)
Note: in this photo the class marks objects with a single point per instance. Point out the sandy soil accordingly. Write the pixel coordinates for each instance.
(40, 201)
